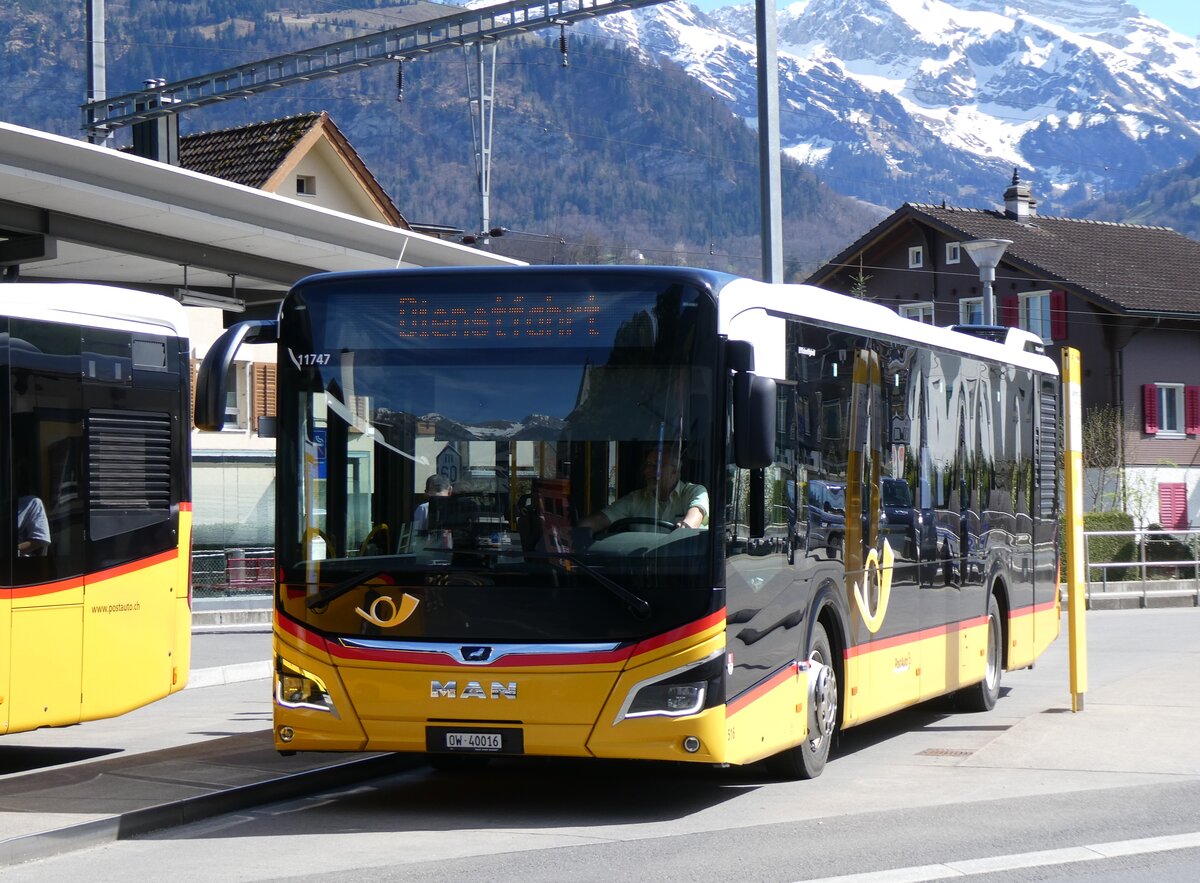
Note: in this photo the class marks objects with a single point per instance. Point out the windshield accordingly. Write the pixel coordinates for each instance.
(454, 441)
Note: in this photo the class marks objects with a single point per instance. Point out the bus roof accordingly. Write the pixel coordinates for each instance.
(741, 296)
(95, 306)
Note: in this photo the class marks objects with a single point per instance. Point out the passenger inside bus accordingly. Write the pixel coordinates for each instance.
(435, 486)
(33, 529)
(665, 502)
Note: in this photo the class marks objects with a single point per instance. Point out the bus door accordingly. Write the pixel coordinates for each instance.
(764, 614)
(884, 597)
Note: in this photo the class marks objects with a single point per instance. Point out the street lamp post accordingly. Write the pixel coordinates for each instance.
(986, 254)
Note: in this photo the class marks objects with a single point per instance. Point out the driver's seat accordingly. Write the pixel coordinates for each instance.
(531, 525)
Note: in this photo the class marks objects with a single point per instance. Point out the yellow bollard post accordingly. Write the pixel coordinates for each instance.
(1076, 566)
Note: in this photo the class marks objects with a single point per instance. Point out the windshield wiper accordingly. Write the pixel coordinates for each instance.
(639, 605)
(323, 597)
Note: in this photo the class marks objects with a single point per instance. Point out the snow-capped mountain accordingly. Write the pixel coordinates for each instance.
(927, 99)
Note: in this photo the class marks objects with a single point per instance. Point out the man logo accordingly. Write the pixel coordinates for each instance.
(476, 654)
(472, 690)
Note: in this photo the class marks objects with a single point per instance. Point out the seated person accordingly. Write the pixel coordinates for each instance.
(664, 498)
(435, 486)
(33, 530)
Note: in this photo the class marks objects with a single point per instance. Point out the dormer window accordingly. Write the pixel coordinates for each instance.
(916, 257)
(306, 185)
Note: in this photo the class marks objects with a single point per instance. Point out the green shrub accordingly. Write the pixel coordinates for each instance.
(1103, 550)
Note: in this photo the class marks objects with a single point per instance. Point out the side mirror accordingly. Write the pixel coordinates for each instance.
(753, 421)
(210, 381)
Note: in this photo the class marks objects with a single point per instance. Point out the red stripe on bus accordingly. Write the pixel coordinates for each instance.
(434, 657)
(685, 631)
(761, 689)
(134, 566)
(185, 507)
(299, 632)
(910, 637)
(62, 585)
(1032, 609)
(66, 585)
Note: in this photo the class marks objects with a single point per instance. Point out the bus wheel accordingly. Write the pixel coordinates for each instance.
(983, 696)
(807, 760)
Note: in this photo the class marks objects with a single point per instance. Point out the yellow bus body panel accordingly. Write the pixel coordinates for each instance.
(562, 710)
(885, 676)
(772, 718)
(47, 662)
(5, 653)
(96, 646)
(181, 658)
(129, 637)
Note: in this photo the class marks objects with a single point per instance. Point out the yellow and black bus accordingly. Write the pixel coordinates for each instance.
(859, 513)
(95, 611)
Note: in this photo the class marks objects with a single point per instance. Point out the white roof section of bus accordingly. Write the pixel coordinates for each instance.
(278, 237)
(94, 306)
(740, 297)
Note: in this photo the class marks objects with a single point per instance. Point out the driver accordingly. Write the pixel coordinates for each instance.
(664, 498)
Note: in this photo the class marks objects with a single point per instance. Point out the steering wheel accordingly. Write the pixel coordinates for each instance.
(624, 524)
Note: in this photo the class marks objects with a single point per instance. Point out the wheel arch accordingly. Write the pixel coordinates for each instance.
(999, 588)
(826, 611)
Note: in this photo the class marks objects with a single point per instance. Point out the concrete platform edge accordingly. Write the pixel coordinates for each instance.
(97, 832)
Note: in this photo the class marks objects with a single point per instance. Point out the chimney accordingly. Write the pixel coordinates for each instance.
(157, 138)
(1019, 205)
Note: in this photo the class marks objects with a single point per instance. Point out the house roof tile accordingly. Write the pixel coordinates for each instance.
(246, 155)
(1126, 267)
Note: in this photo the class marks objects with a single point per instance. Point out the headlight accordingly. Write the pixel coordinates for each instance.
(684, 691)
(672, 700)
(297, 688)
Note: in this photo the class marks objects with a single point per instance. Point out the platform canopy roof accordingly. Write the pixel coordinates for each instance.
(70, 210)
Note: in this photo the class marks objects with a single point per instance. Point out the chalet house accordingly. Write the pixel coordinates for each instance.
(306, 158)
(1126, 296)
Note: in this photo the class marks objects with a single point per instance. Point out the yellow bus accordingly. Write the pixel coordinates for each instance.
(95, 610)
(650, 513)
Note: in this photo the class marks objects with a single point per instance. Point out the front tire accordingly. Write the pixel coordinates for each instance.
(807, 760)
(983, 696)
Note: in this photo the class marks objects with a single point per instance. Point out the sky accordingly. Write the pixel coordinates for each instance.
(1180, 15)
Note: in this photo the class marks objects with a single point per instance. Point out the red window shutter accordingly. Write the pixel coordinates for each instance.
(1150, 406)
(1010, 312)
(1172, 505)
(1058, 315)
(1191, 410)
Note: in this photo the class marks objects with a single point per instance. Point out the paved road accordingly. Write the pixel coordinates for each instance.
(928, 794)
(211, 650)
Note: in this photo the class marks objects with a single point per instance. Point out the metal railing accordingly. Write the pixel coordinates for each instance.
(233, 572)
(1148, 569)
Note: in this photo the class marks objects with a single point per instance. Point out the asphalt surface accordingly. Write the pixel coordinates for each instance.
(207, 750)
(197, 753)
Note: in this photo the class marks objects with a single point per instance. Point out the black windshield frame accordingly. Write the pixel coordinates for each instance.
(604, 578)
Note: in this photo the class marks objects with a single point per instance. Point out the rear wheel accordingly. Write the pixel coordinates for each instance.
(807, 760)
(983, 696)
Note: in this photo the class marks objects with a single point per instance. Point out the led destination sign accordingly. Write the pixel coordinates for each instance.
(540, 316)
